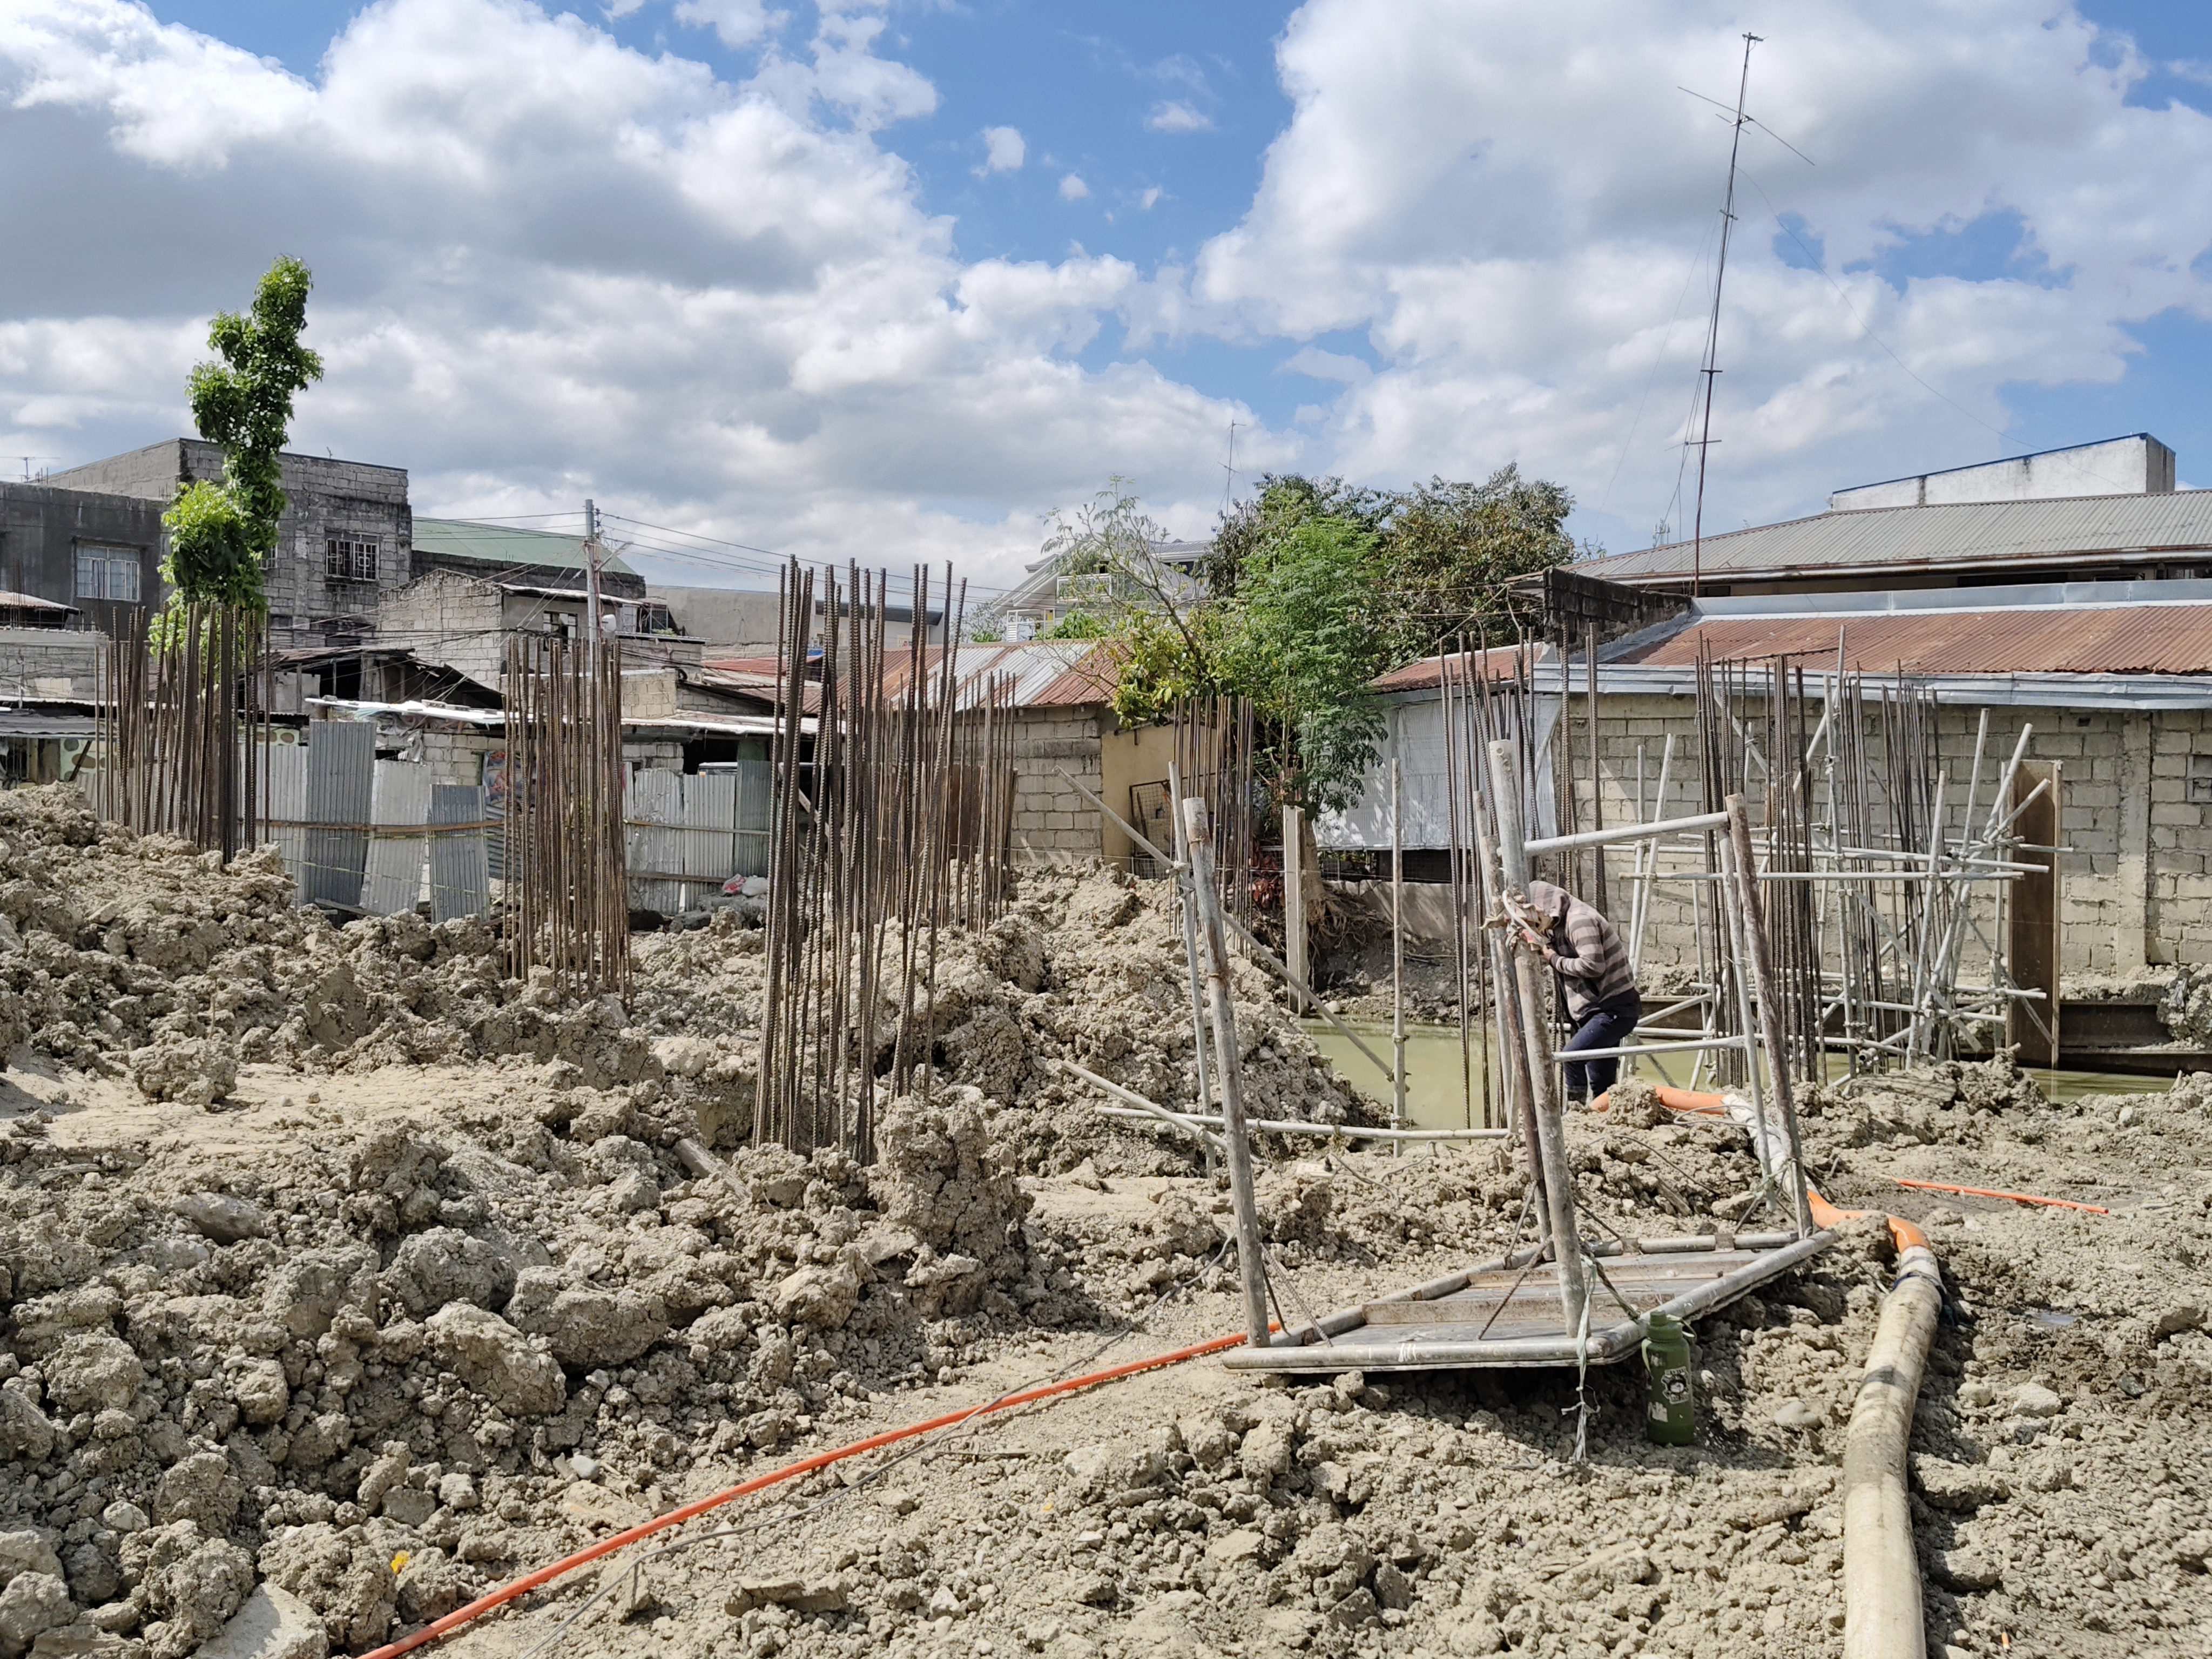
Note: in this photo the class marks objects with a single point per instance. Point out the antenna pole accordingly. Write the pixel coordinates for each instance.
(1712, 366)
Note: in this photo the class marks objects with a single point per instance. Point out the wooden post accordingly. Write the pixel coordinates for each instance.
(1187, 911)
(1770, 1006)
(1397, 948)
(1294, 899)
(2032, 941)
(1536, 1036)
(1228, 1062)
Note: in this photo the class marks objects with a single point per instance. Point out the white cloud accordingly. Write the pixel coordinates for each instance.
(738, 23)
(1172, 116)
(1150, 198)
(1326, 365)
(1511, 203)
(547, 266)
(1003, 150)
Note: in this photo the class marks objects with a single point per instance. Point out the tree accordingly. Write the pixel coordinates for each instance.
(1304, 639)
(1453, 550)
(1315, 588)
(221, 536)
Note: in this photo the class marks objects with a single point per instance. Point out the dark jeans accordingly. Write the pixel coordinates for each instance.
(1605, 1026)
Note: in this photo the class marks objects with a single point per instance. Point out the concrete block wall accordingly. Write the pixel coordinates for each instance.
(1053, 824)
(2136, 888)
(452, 621)
(48, 662)
(457, 753)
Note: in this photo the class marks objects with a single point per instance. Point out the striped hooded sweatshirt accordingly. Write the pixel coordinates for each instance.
(1589, 959)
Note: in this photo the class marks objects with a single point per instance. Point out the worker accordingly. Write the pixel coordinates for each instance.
(1586, 951)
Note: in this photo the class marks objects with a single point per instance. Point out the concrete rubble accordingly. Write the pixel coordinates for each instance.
(346, 1278)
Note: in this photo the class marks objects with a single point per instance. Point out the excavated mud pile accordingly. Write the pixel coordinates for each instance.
(455, 1349)
(1084, 968)
(137, 956)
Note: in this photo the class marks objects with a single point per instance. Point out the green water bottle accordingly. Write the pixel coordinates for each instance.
(1670, 1416)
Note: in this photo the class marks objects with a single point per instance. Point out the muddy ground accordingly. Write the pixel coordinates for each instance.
(345, 1273)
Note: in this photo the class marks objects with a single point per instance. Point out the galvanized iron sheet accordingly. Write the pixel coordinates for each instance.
(1930, 538)
(2162, 638)
(341, 769)
(460, 880)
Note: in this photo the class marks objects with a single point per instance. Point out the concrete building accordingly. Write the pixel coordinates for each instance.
(97, 552)
(502, 553)
(1995, 525)
(1056, 588)
(743, 622)
(346, 534)
(2115, 679)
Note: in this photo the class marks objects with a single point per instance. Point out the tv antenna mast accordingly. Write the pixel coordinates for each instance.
(1712, 367)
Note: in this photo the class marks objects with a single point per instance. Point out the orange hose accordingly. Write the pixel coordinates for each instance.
(523, 1586)
(1992, 1192)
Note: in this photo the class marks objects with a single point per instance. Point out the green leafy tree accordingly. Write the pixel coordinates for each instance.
(1304, 639)
(1315, 588)
(1077, 625)
(221, 536)
(1453, 551)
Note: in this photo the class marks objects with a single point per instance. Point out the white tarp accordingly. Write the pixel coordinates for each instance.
(1415, 738)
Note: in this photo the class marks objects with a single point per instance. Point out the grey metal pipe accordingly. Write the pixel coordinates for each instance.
(1882, 1614)
(1292, 1126)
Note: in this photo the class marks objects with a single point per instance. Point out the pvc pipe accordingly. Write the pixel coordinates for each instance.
(1882, 1613)
(1627, 832)
(1319, 1131)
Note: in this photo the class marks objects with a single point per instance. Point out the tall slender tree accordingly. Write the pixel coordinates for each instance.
(221, 536)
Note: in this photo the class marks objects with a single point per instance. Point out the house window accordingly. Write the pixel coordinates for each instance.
(352, 559)
(2200, 780)
(107, 573)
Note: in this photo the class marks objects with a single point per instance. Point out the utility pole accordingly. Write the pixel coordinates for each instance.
(1712, 362)
(591, 588)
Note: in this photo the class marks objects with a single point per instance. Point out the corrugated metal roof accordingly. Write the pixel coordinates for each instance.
(1495, 664)
(507, 545)
(1890, 538)
(2134, 639)
(1047, 673)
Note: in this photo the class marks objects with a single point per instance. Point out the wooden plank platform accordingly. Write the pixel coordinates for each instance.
(1645, 1282)
(1440, 1326)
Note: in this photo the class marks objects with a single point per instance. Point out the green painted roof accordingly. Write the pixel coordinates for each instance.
(507, 547)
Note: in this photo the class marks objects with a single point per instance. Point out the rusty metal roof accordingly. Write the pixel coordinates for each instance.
(1891, 539)
(2079, 628)
(1496, 664)
(1047, 673)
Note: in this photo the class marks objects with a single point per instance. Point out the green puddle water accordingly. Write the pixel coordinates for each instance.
(1436, 1098)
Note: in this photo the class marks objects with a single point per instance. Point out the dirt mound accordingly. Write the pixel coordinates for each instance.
(135, 955)
(400, 1344)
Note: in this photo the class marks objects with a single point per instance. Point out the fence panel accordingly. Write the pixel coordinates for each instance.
(341, 774)
(460, 877)
(400, 803)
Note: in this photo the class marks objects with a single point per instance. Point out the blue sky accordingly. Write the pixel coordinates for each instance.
(1382, 244)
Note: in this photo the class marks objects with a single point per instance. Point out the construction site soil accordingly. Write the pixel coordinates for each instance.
(346, 1278)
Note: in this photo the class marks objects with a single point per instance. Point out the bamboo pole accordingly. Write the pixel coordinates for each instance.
(1229, 1059)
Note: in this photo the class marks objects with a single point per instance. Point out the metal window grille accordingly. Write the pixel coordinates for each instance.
(107, 573)
(352, 559)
